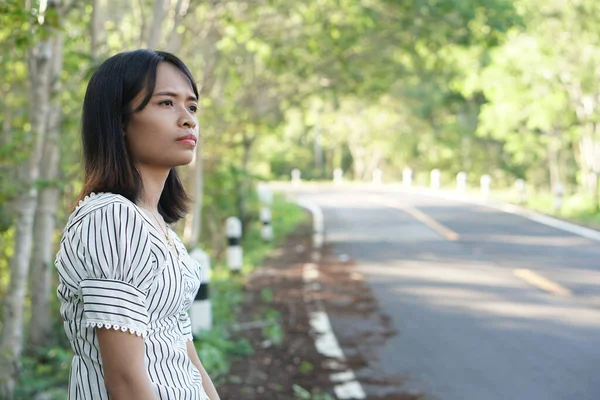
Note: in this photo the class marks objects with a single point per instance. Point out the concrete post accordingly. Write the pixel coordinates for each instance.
(407, 175)
(558, 190)
(296, 176)
(485, 183)
(265, 195)
(267, 227)
(234, 249)
(435, 178)
(377, 176)
(338, 176)
(461, 181)
(520, 186)
(201, 310)
(318, 228)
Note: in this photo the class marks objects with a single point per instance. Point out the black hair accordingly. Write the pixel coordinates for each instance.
(107, 109)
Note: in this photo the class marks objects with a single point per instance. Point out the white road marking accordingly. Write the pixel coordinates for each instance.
(550, 221)
(326, 341)
(327, 344)
(347, 386)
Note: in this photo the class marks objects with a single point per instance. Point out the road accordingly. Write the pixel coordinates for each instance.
(487, 305)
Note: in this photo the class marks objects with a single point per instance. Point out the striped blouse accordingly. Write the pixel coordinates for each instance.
(117, 272)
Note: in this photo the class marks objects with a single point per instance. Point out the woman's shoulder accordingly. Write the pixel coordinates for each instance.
(99, 201)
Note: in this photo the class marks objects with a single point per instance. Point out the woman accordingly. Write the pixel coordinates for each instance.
(126, 280)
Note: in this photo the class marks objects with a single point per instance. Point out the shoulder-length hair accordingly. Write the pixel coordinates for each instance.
(107, 109)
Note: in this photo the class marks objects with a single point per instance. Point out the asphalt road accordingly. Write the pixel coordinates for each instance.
(470, 326)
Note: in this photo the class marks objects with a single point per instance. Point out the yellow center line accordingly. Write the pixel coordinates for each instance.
(527, 275)
(442, 230)
(542, 283)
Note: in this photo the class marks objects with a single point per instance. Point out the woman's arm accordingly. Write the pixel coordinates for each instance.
(207, 383)
(125, 375)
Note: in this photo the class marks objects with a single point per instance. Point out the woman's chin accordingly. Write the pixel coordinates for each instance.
(185, 160)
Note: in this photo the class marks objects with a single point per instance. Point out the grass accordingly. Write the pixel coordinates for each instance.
(577, 207)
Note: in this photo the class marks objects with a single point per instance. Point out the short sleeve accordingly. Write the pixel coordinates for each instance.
(186, 325)
(116, 268)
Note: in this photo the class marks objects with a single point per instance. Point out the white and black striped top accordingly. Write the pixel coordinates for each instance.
(117, 272)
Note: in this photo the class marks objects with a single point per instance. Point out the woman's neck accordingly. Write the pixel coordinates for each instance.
(153, 184)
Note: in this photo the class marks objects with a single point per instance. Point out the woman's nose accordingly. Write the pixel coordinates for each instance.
(187, 120)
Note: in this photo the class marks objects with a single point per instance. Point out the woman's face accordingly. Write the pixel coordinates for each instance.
(165, 132)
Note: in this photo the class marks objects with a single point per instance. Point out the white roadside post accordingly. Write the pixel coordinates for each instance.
(338, 176)
(435, 178)
(485, 183)
(201, 310)
(407, 175)
(520, 186)
(558, 190)
(318, 234)
(318, 228)
(377, 176)
(265, 194)
(296, 176)
(461, 181)
(234, 249)
(267, 229)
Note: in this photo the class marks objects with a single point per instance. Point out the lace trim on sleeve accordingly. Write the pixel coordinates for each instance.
(116, 327)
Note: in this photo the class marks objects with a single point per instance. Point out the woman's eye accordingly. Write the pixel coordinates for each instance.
(193, 109)
(166, 102)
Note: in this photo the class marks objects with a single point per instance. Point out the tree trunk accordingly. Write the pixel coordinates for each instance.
(40, 65)
(176, 36)
(373, 163)
(158, 16)
(193, 228)
(243, 182)
(193, 225)
(588, 149)
(358, 158)
(553, 164)
(97, 28)
(138, 12)
(40, 328)
(7, 119)
(318, 152)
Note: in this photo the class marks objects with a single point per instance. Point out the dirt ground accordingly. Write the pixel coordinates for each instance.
(273, 370)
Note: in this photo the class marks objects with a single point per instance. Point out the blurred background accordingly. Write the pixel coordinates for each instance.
(504, 88)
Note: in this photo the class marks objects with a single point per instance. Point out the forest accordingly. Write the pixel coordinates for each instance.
(508, 88)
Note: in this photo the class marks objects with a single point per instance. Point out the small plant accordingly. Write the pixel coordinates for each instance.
(273, 331)
(305, 367)
(267, 295)
(215, 349)
(302, 394)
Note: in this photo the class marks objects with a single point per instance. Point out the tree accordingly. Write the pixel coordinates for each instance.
(41, 61)
(42, 263)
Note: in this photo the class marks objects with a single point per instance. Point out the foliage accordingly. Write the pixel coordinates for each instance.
(273, 332)
(216, 348)
(503, 87)
(302, 394)
(45, 371)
